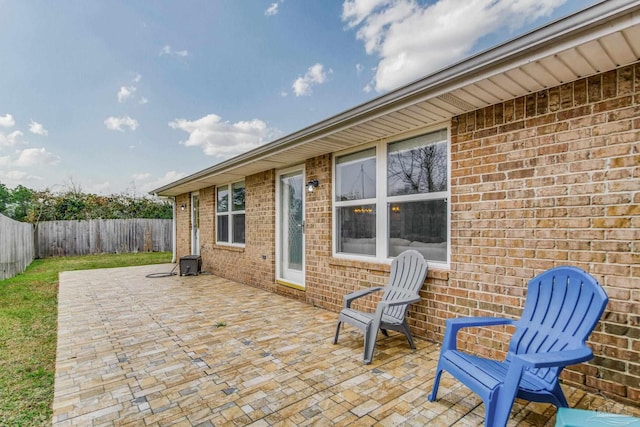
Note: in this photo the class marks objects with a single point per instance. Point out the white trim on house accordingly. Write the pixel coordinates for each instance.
(595, 40)
(195, 223)
(382, 200)
(229, 214)
(297, 282)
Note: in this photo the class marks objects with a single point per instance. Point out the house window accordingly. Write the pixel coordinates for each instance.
(356, 202)
(230, 215)
(392, 197)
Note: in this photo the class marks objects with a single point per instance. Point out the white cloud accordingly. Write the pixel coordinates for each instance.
(35, 157)
(100, 188)
(11, 139)
(141, 176)
(272, 9)
(7, 121)
(118, 123)
(224, 139)
(315, 75)
(146, 182)
(355, 11)
(412, 39)
(37, 128)
(168, 50)
(29, 157)
(16, 175)
(125, 93)
(128, 92)
(13, 177)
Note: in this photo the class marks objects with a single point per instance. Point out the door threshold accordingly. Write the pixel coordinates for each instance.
(290, 284)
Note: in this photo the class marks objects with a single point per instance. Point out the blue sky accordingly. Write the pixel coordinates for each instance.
(120, 96)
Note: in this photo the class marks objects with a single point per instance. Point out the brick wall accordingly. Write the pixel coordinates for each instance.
(329, 279)
(207, 226)
(183, 225)
(318, 234)
(548, 179)
(551, 179)
(254, 263)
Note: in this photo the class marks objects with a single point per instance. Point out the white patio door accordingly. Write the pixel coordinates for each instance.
(195, 224)
(290, 227)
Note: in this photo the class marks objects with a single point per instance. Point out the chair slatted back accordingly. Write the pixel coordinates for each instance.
(562, 307)
(408, 272)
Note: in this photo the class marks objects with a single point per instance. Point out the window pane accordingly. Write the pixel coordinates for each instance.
(356, 229)
(356, 176)
(238, 196)
(418, 165)
(421, 226)
(222, 204)
(223, 228)
(238, 228)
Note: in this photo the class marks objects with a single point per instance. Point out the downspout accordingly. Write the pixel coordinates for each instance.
(174, 229)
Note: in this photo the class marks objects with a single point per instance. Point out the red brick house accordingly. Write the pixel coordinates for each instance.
(518, 159)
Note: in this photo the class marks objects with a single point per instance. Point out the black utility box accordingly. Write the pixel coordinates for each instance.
(190, 265)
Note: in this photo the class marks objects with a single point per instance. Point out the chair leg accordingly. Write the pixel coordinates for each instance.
(490, 413)
(335, 339)
(497, 413)
(370, 335)
(559, 395)
(436, 384)
(407, 334)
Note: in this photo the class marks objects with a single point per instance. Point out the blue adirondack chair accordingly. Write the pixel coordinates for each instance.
(408, 271)
(563, 306)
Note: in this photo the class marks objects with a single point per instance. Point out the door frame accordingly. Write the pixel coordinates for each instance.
(278, 252)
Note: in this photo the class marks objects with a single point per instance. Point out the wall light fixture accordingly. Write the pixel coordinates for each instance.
(311, 185)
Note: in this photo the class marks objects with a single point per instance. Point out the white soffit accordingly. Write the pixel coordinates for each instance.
(598, 39)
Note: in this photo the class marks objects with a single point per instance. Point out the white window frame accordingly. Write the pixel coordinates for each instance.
(382, 201)
(230, 213)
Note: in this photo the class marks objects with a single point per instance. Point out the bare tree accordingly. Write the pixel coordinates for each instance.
(420, 170)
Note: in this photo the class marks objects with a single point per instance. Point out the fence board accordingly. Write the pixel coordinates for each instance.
(16, 247)
(65, 238)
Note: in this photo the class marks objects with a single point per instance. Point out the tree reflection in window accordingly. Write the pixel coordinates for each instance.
(418, 165)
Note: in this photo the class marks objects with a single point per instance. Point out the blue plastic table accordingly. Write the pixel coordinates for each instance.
(567, 417)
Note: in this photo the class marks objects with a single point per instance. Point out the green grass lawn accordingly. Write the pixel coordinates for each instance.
(28, 330)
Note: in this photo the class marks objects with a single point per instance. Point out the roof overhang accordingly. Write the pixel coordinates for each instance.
(595, 40)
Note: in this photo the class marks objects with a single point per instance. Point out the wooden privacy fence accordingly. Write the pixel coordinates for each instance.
(64, 238)
(16, 247)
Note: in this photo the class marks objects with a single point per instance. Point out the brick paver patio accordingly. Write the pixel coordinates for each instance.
(206, 351)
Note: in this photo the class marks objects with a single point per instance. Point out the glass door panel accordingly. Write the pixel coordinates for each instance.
(291, 228)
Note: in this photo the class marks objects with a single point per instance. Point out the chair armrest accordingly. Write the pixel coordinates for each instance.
(538, 360)
(556, 358)
(349, 298)
(455, 324)
(408, 300)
